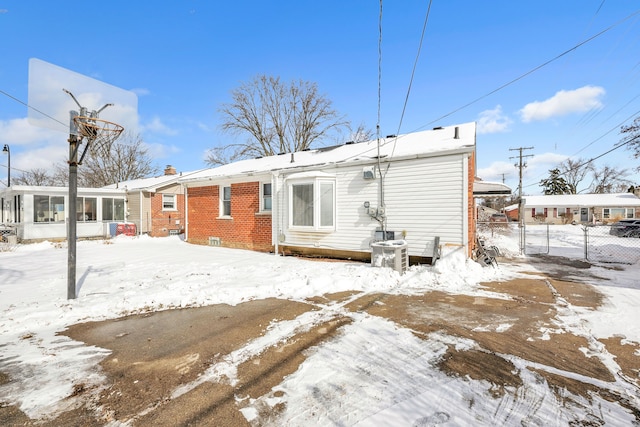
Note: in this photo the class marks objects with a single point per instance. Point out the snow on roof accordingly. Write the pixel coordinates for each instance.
(434, 142)
(587, 200)
(44, 189)
(152, 183)
(488, 188)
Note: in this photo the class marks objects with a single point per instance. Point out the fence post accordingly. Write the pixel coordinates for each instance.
(586, 242)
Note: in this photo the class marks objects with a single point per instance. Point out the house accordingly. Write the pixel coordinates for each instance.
(156, 205)
(37, 213)
(580, 208)
(336, 201)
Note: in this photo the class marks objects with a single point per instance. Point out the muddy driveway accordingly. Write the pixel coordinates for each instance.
(203, 366)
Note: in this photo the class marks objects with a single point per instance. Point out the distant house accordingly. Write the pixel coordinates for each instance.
(580, 208)
(335, 201)
(156, 205)
(37, 213)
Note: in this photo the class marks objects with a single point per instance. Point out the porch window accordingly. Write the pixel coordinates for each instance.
(226, 201)
(48, 209)
(86, 209)
(169, 202)
(265, 188)
(312, 204)
(112, 209)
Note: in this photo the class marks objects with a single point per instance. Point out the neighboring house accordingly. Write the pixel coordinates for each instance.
(580, 208)
(336, 201)
(488, 190)
(40, 213)
(512, 212)
(156, 205)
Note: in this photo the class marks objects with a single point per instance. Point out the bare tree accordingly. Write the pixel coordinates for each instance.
(574, 172)
(128, 158)
(631, 138)
(36, 177)
(275, 117)
(609, 180)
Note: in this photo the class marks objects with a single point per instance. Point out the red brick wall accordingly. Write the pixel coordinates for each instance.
(245, 229)
(163, 221)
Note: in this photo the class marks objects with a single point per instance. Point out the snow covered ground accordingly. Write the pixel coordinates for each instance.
(130, 275)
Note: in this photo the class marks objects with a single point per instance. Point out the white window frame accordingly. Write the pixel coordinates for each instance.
(607, 213)
(263, 207)
(317, 184)
(223, 200)
(173, 202)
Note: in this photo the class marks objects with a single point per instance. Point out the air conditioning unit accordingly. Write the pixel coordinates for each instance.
(391, 254)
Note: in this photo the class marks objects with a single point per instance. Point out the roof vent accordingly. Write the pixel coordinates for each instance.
(349, 142)
(391, 136)
(456, 133)
(438, 128)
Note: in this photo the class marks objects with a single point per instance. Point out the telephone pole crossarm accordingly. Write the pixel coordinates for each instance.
(520, 165)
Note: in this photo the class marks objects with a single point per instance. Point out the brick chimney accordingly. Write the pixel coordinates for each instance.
(170, 170)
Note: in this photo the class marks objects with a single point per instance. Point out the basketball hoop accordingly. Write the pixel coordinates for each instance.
(100, 133)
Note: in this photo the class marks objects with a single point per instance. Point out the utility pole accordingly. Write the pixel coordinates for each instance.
(520, 165)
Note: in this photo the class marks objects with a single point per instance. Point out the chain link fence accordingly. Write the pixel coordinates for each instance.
(590, 242)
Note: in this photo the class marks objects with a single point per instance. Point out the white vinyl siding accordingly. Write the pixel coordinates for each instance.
(424, 198)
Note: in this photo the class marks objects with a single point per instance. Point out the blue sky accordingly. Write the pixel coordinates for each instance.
(183, 58)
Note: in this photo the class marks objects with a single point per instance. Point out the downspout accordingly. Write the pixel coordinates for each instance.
(186, 212)
(140, 200)
(382, 219)
(275, 234)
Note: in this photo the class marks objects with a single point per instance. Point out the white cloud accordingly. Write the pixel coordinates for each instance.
(493, 121)
(496, 171)
(564, 102)
(157, 126)
(19, 132)
(141, 91)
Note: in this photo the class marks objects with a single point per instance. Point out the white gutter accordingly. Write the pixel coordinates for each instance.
(186, 212)
(141, 212)
(275, 212)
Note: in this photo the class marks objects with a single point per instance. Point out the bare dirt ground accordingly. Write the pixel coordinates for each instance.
(153, 354)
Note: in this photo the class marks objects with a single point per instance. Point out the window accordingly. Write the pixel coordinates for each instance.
(112, 209)
(266, 197)
(169, 202)
(312, 204)
(226, 201)
(48, 208)
(86, 209)
(612, 213)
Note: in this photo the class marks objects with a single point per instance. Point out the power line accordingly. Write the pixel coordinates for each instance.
(521, 165)
(415, 65)
(595, 140)
(33, 108)
(533, 70)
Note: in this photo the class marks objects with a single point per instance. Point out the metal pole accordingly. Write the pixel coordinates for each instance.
(7, 150)
(71, 230)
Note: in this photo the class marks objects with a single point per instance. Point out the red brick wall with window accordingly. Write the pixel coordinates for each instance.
(162, 221)
(246, 228)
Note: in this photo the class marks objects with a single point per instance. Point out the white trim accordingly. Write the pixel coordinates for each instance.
(316, 184)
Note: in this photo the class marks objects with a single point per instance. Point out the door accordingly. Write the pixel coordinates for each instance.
(584, 214)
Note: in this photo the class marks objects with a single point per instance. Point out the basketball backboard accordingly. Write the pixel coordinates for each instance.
(50, 105)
